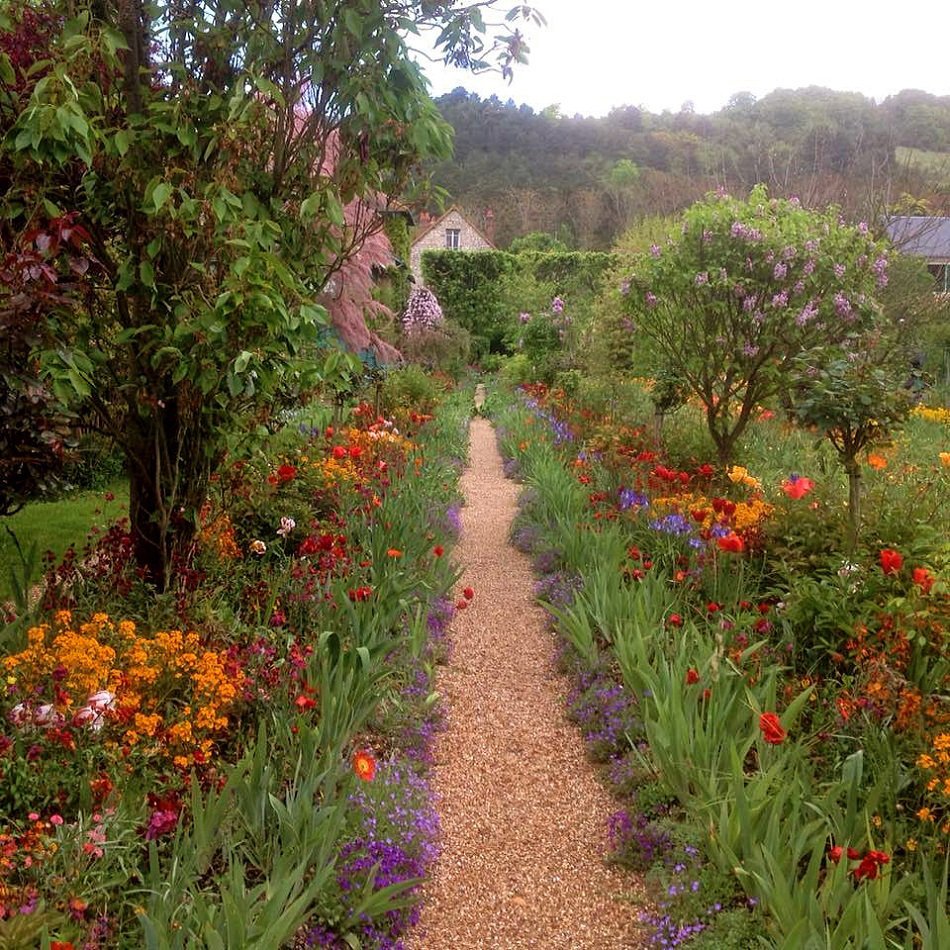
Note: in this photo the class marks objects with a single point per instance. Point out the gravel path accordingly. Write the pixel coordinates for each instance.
(523, 813)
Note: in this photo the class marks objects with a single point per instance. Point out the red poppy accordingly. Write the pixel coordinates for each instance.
(394, 552)
(675, 620)
(339, 452)
(286, 473)
(891, 561)
(853, 854)
(771, 726)
(61, 945)
(305, 702)
(364, 765)
(870, 865)
(438, 550)
(923, 579)
(360, 594)
(461, 604)
(712, 607)
(699, 514)
(797, 486)
(835, 853)
(692, 676)
(731, 542)
(468, 593)
(355, 451)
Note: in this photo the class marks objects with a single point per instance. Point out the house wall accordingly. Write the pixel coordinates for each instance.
(434, 240)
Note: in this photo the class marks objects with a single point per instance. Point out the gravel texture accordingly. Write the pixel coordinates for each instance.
(523, 813)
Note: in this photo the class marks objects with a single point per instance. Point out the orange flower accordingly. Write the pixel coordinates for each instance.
(394, 552)
(364, 765)
(877, 461)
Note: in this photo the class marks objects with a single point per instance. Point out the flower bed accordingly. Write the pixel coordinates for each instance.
(771, 705)
(243, 759)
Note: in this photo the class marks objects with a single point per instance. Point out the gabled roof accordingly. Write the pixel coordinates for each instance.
(434, 224)
(921, 236)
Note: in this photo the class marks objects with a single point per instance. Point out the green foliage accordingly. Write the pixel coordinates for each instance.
(537, 241)
(410, 388)
(468, 288)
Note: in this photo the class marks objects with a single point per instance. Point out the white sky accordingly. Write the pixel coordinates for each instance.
(597, 54)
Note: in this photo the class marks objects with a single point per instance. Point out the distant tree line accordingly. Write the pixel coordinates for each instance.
(586, 180)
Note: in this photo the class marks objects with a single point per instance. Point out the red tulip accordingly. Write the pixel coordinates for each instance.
(771, 726)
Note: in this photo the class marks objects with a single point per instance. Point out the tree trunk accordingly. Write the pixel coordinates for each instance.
(168, 480)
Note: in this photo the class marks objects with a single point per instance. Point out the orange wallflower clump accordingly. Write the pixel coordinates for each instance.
(935, 764)
(166, 695)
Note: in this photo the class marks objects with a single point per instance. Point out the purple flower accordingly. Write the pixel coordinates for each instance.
(702, 278)
(780, 271)
(557, 305)
(655, 250)
(650, 299)
(842, 305)
(779, 301)
(839, 270)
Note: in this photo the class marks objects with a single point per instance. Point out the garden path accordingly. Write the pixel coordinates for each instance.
(523, 814)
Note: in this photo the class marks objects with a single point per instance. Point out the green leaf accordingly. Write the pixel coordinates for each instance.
(161, 194)
(6, 70)
(147, 274)
(122, 139)
(241, 361)
(51, 209)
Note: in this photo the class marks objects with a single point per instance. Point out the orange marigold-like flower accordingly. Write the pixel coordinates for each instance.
(364, 765)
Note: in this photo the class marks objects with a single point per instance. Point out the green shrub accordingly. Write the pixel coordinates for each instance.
(410, 387)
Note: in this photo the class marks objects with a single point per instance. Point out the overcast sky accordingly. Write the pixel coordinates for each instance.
(597, 54)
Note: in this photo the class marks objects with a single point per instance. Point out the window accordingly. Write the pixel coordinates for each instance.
(453, 238)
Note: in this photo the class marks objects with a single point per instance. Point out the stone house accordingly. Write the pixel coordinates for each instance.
(453, 231)
(926, 237)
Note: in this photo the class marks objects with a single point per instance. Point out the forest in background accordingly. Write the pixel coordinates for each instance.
(587, 180)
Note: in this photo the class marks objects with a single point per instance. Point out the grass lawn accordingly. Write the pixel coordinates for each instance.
(55, 525)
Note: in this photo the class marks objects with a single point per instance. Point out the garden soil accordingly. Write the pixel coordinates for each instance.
(523, 813)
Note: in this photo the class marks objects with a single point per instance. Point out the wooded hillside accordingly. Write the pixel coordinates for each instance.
(588, 179)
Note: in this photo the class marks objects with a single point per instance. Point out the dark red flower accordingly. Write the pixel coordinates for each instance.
(675, 620)
(692, 676)
(923, 579)
(771, 726)
(468, 593)
(438, 550)
(287, 473)
(835, 853)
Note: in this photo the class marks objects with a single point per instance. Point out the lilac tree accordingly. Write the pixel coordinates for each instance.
(747, 287)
